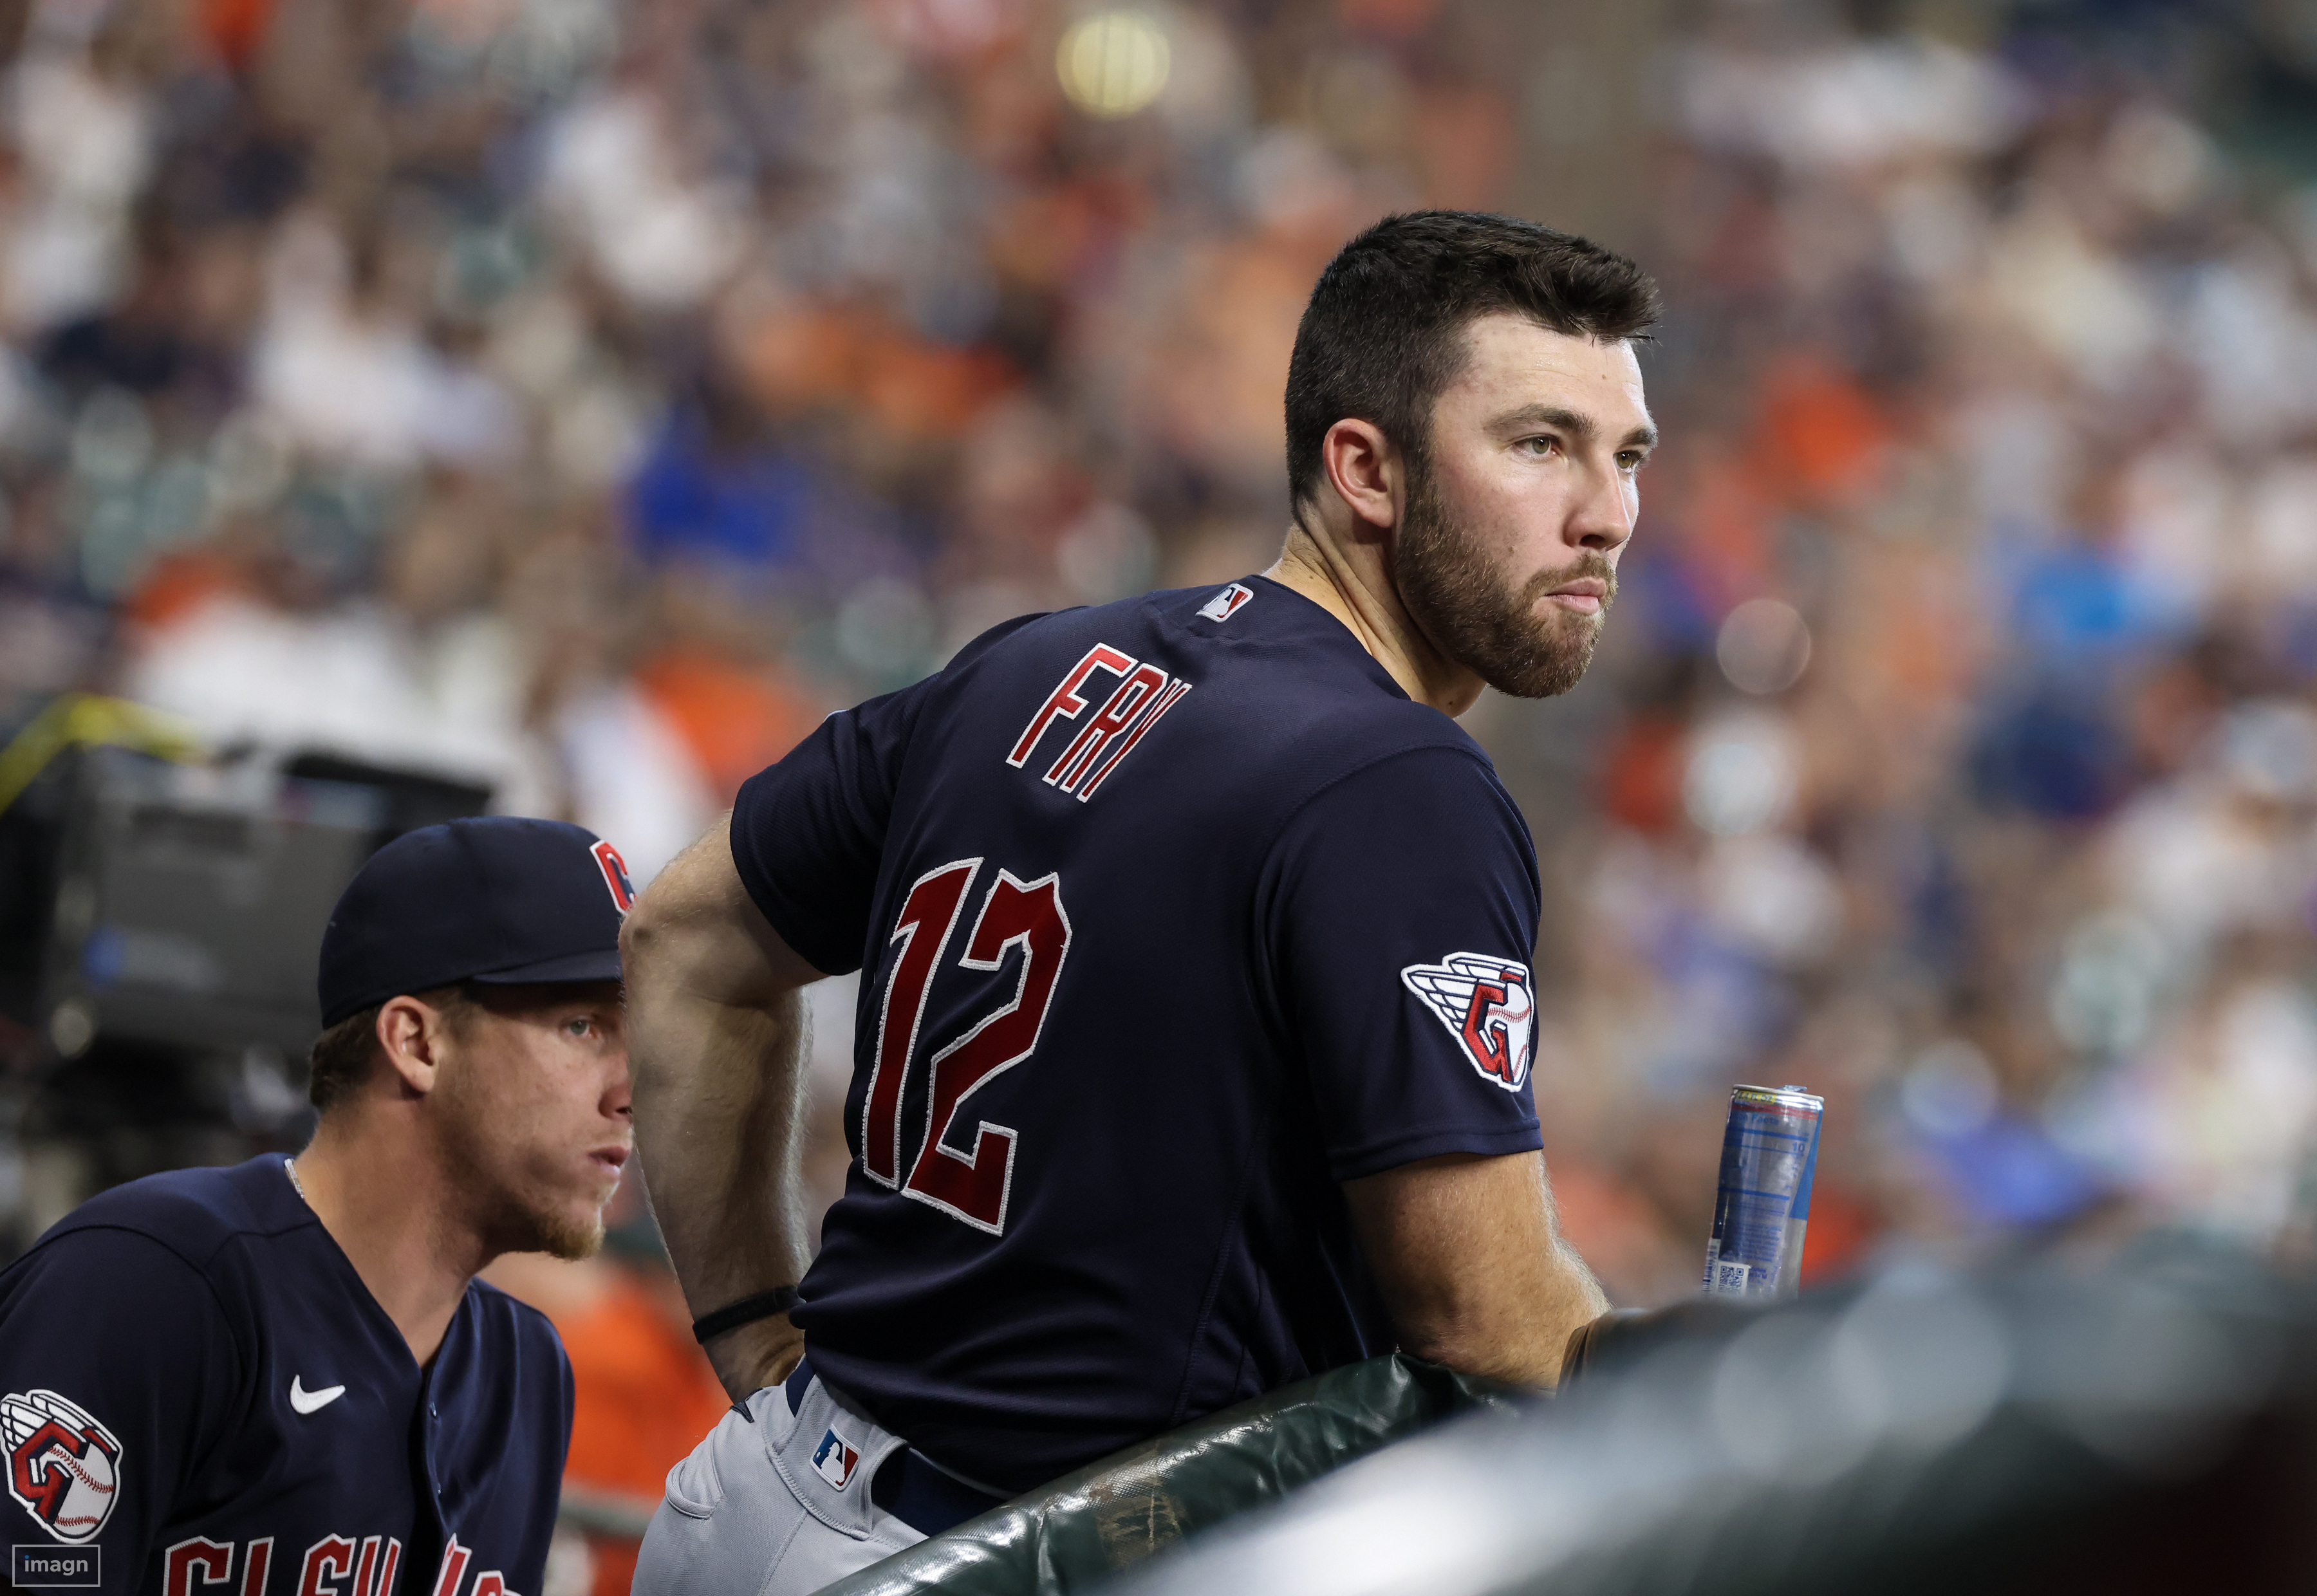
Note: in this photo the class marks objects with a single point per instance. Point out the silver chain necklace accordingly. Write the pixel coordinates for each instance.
(290, 1166)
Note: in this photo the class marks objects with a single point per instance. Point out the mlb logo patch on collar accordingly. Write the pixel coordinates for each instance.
(1226, 603)
(835, 1459)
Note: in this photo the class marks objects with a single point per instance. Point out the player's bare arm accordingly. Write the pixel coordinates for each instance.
(718, 1033)
(1468, 1255)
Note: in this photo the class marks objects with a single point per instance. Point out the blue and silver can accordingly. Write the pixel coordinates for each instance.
(1769, 1154)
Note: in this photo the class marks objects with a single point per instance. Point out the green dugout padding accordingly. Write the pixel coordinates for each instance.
(1087, 1526)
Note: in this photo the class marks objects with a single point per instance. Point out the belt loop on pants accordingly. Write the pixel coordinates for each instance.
(906, 1484)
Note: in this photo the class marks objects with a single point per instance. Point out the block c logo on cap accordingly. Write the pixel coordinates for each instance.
(615, 877)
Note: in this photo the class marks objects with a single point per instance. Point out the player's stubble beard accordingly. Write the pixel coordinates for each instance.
(511, 1206)
(1462, 606)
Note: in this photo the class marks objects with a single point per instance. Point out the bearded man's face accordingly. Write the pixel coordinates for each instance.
(1516, 511)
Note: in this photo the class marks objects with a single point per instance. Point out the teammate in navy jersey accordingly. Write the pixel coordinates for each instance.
(282, 1380)
(1196, 1017)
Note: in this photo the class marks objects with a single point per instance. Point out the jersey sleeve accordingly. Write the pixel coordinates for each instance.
(807, 832)
(1399, 910)
(118, 1372)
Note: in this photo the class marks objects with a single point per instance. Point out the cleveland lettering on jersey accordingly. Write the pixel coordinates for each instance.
(453, 1572)
(197, 1563)
(333, 1566)
(330, 1562)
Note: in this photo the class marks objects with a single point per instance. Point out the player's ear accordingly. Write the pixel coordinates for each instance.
(409, 1033)
(1365, 470)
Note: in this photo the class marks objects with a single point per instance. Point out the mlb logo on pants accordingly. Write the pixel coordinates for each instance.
(835, 1459)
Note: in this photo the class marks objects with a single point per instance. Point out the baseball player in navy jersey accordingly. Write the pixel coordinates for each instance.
(282, 1379)
(1196, 1016)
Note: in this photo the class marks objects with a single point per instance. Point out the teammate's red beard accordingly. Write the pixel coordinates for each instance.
(1462, 606)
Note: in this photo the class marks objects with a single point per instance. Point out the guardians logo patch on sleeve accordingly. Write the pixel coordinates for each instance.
(1488, 1006)
(63, 1466)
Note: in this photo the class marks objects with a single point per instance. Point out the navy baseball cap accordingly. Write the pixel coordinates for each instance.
(496, 899)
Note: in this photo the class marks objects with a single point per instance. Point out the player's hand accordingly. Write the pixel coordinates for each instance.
(753, 1356)
(1620, 1337)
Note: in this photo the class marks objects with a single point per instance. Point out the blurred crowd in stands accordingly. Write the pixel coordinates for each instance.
(585, 398)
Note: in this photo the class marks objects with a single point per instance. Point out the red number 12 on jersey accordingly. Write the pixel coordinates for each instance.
(971, 1187)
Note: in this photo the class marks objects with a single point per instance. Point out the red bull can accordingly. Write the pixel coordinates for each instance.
(1762, 1208)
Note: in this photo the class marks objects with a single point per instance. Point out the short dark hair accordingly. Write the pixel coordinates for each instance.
(1379, 340)
(346, 1052)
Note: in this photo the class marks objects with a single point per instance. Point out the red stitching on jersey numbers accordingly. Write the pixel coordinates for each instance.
(973, 1187)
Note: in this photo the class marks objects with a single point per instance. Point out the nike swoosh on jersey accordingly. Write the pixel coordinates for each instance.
(309, 1402)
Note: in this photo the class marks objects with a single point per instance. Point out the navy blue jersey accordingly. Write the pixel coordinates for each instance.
(1173, 914)
(199, 1394)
